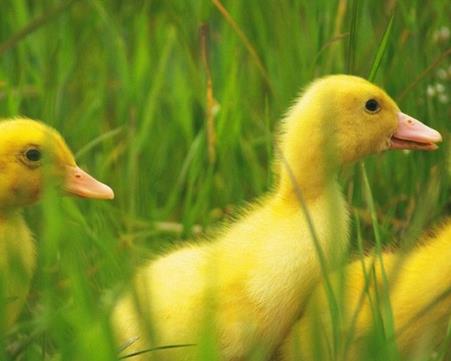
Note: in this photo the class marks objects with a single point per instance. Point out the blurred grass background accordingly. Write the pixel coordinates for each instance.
(174, 104)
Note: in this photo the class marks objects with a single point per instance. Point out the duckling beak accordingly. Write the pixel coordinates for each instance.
(81, 184)
(412, 134)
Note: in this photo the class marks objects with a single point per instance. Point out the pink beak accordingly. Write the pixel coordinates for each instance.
(412, 134)
(81, 184)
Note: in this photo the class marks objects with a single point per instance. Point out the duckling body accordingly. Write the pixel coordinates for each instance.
(229, 279)
(419, 290)
(24, 143)
(246, 287)
(17, 263)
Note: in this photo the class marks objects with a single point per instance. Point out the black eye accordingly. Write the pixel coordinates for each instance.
(372, 106)
(33, 155)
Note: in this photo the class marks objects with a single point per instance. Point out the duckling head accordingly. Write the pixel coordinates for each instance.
(340, 119)
(32, 153)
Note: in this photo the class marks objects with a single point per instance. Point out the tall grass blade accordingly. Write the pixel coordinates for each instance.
(381, 49)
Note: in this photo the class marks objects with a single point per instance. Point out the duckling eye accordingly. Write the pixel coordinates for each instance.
(33, 155)
(372, 106)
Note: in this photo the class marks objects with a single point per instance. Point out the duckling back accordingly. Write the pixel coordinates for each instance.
(419, 293)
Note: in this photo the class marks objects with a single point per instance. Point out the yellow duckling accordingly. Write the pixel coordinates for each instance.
(419, 290)
(30, 153)
(252, 280)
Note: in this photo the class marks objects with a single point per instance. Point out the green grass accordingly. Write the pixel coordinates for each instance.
(125, 83)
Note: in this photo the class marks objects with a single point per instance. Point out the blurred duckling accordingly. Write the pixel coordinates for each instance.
(418, 287)
(30, 154)
(247, 287)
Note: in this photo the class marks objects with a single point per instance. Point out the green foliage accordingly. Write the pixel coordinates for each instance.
(125, 83)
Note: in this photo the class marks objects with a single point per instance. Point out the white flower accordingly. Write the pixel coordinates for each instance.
(444, 30)
(442, 74)
(440, 88)
(443, 98)
(430, 91)
(442, 34)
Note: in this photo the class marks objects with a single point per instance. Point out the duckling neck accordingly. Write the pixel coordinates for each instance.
(310, 175)
(310, 163)
(16, 241)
